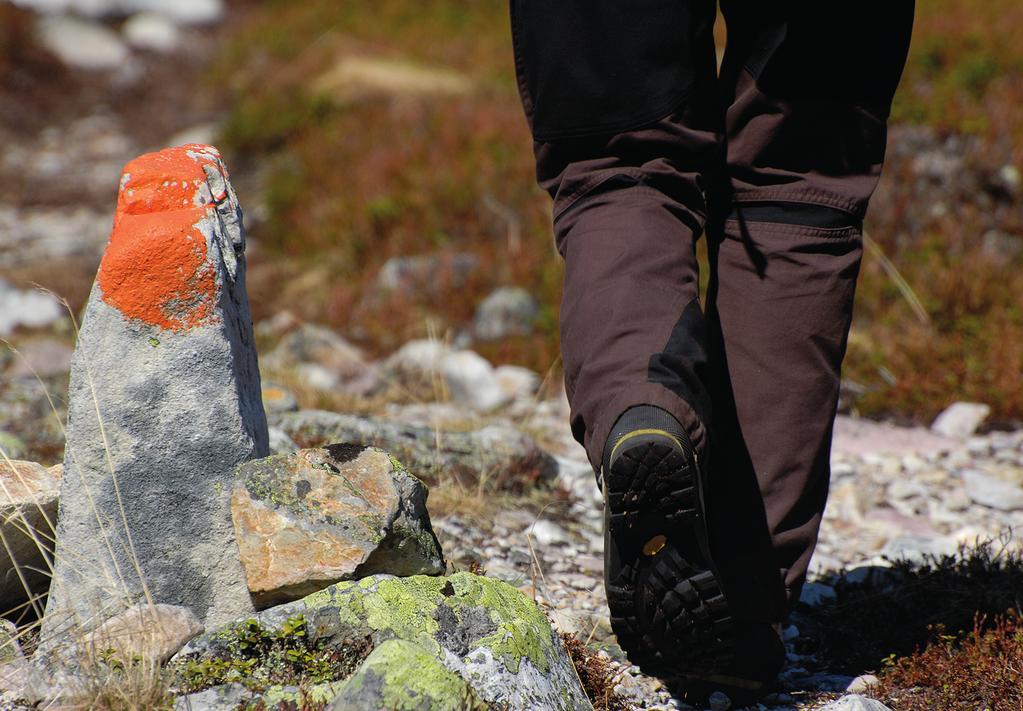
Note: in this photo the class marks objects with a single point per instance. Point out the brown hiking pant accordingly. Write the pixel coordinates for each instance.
(643, 145)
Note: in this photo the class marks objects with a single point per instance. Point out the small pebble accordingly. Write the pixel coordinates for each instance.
(719, 701)
(861, 683)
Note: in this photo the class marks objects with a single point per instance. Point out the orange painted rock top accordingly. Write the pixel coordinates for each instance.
(171, 179)
(156, 268)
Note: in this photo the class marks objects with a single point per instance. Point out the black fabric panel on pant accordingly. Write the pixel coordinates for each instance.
(681, 366)
(795, 213)
(603, 66)
(848, 52)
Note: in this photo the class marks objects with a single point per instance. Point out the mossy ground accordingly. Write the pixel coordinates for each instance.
(261, 659)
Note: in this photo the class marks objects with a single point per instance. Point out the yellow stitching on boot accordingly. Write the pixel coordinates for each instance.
(636, 433)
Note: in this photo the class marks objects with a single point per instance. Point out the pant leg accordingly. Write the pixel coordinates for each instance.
(808, 88)
(620, 99)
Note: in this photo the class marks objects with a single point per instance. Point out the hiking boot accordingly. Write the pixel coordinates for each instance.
(758, 654)
(667, 607)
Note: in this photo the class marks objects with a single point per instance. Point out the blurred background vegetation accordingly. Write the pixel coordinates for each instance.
(369, 129)
(351, 175)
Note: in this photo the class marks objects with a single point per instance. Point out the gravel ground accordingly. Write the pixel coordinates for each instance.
(896, 492)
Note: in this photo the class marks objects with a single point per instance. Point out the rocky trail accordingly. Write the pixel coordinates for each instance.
(513, 504)
(897, 492)
(924, 496)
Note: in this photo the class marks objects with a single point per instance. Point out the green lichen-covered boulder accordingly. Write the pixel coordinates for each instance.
(320, 516)
(485, 631)
(404, 676)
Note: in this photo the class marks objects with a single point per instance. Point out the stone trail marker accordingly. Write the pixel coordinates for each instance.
(164, 404)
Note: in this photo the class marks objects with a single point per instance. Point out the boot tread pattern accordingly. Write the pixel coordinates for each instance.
(668, 613)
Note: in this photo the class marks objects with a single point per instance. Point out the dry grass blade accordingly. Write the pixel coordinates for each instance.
(900, 282)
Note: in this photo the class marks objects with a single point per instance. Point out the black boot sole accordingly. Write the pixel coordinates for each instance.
(667, 607)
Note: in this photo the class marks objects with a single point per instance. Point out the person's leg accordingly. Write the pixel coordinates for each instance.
(620, 100)
(809, 87)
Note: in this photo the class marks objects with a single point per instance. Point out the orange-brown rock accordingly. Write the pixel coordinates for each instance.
(319, 516)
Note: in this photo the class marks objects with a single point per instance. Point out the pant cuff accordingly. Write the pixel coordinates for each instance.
(644, 394)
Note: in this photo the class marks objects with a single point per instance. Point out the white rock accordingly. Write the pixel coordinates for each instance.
(280, 442)
(906, 489)
(855, 702)
(861, 683)
(993, 493)
(82, 44)
(15, 676)
(225, 696)
(416, 359)
(152, 32)
(516, 382)
(153, 632)
(548, 533)
(10, 649)
(354, 78)
(338, 363)
(957, 500)
(1010, 175)
(30, 308)
(198, 12)
(875, 572)
(918, 548)
(577, 476)
(41, 234)
(187, 12)
(858, 437)
(471, 380)
(978, 446)
(89, 8)
(960, 419)
(507, 311)
(317, 376)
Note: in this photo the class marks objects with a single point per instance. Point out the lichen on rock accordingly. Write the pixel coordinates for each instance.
(484, 630)
(320, 516)
(403, 676)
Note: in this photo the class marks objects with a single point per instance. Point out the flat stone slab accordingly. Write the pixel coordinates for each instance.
(506, 458)
(859, 437)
